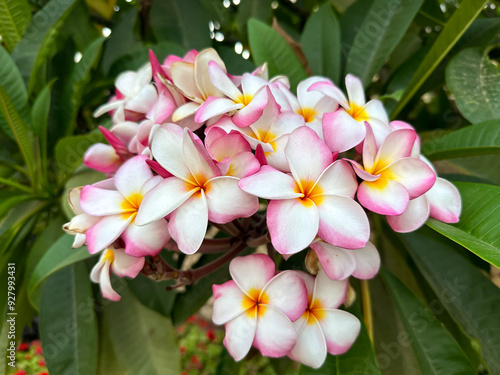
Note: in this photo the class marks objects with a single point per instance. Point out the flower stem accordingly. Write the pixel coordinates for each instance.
(367, 307)
(217, 245)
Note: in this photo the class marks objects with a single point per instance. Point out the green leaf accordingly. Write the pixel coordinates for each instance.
(39, 42)
(76, 84)
(143, 340)
(57, 257)
(69, 151)
(378, 35)
(68, 325)
(456, 26)
(153, 294)
(258, 9)
(320, 42)
(268, 46)
(39, 121)
(359, 359)
(470, 298)
(15, 16)
(479, 139)
(478, 227)
(436, 350)
(474, 82)
(108, 364)
(183, 22)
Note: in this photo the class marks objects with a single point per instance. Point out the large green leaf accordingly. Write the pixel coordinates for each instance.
(143, 340)
(479, 223)
(479, 139)
(268, 46)
(359, 359)
(75, 86)
(183, 22)
(39, 121)
(471, 299)
(39, 42)
(57, 257)
(15, 16)
(474, 82)
(320, 42)
(458, 23)
(378, 35)
(436, 350)
(68, 325)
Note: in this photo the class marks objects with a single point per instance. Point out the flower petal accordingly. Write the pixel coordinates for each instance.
(106, 231)
(102, 158)
(397, 145)
(340, 329)
(105, 284)
(293, 224)
(444, 200)
(337, 179)
(188, 223)
(330, 90)
(183, 78)
(227, 202)
(221, 81)
(307, 155)
(184, 111)
(126, 265)
(243, 164)
(270, 183)
(412, 218)
(253, 111)
(367, 262)
(132, 175)
(197, 159)
(201, 70)
(310, 348)
(147, 239)
(213, 107)
(228, 302)
(240, 334)
(252, 272)
(287, 293)
(383, 196)
(328, 294)
(338, 263)
(342, 222)
(341, 131)
(163, 199)
(275, 335)
(101, 202)
(355, 90)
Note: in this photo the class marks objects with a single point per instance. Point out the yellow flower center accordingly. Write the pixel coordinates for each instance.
(108, 256)
(131, 204)
(307, 113)
(244, 99)
(357, 113)
(314, 312)
(254, 302)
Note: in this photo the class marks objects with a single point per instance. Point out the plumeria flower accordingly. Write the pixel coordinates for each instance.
(258, 308)
(245, 105)
(316, 200)
(231, 152)
(192, 80)
(118, 209)
(270, 131)
(196, 194)
(345, 128)
(80, 223)
(391, 176)
(339, 263)
(135, 95)
(311, 105)
(323, 328)
(121, 264)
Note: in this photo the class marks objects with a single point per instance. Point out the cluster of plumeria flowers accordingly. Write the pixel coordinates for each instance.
(193, 147)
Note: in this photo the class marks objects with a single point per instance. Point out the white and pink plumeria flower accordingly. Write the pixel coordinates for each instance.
(258, 308)
(117, 205)
(135, 95)
(311, 105)
(315, 200)
(121, 264)
(391, 175)
(323, 328)
(197, 192)
(270, 131)
(245, 105)
(345, 128)
(339, 263)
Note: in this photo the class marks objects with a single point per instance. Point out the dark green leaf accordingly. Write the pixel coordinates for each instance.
(320, 42)
(268, 46)
(477, 229)
(39, 121)
(480, 139)
(39, 42)
(57, 257)
(471, 299)
(474, 82)
(15, 16)
(153, 294)
(378, 35)
(436, 350)
(143, 340)
(68, 325)
(459, 22)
